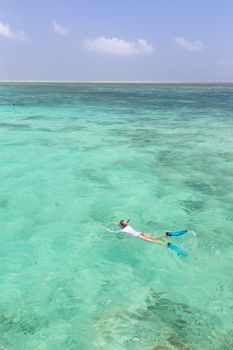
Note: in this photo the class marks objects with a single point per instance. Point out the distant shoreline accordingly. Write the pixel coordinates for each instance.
(117, 82)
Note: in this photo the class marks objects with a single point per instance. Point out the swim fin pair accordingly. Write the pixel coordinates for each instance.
(177, 250)
(176, 233)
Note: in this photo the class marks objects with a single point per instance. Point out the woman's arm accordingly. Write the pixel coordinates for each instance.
(107, 229)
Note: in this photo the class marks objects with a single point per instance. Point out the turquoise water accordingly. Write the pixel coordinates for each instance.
(75, 157)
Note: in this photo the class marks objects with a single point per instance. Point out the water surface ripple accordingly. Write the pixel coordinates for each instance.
(75, 157)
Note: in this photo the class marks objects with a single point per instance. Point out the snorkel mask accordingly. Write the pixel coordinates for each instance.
(120, 224)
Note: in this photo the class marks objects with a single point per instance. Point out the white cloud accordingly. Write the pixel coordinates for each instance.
(195, 45)
(7, 32)
(120, 47)
(58, 28)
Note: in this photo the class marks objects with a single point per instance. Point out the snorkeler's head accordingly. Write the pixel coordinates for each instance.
(124, 223)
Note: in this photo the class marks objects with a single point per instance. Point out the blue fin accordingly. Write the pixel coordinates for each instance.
(177, 250)
(176, 233)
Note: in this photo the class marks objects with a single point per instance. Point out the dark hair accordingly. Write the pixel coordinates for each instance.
(121, 222)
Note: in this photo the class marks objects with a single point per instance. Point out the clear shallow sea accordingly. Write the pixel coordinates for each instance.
(75, 157)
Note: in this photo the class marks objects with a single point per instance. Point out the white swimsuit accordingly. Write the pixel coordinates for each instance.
(131, 231)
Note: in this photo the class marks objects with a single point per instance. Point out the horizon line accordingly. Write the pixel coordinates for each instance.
(122, 81)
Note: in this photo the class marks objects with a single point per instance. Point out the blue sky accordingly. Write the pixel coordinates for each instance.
(159, 40)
